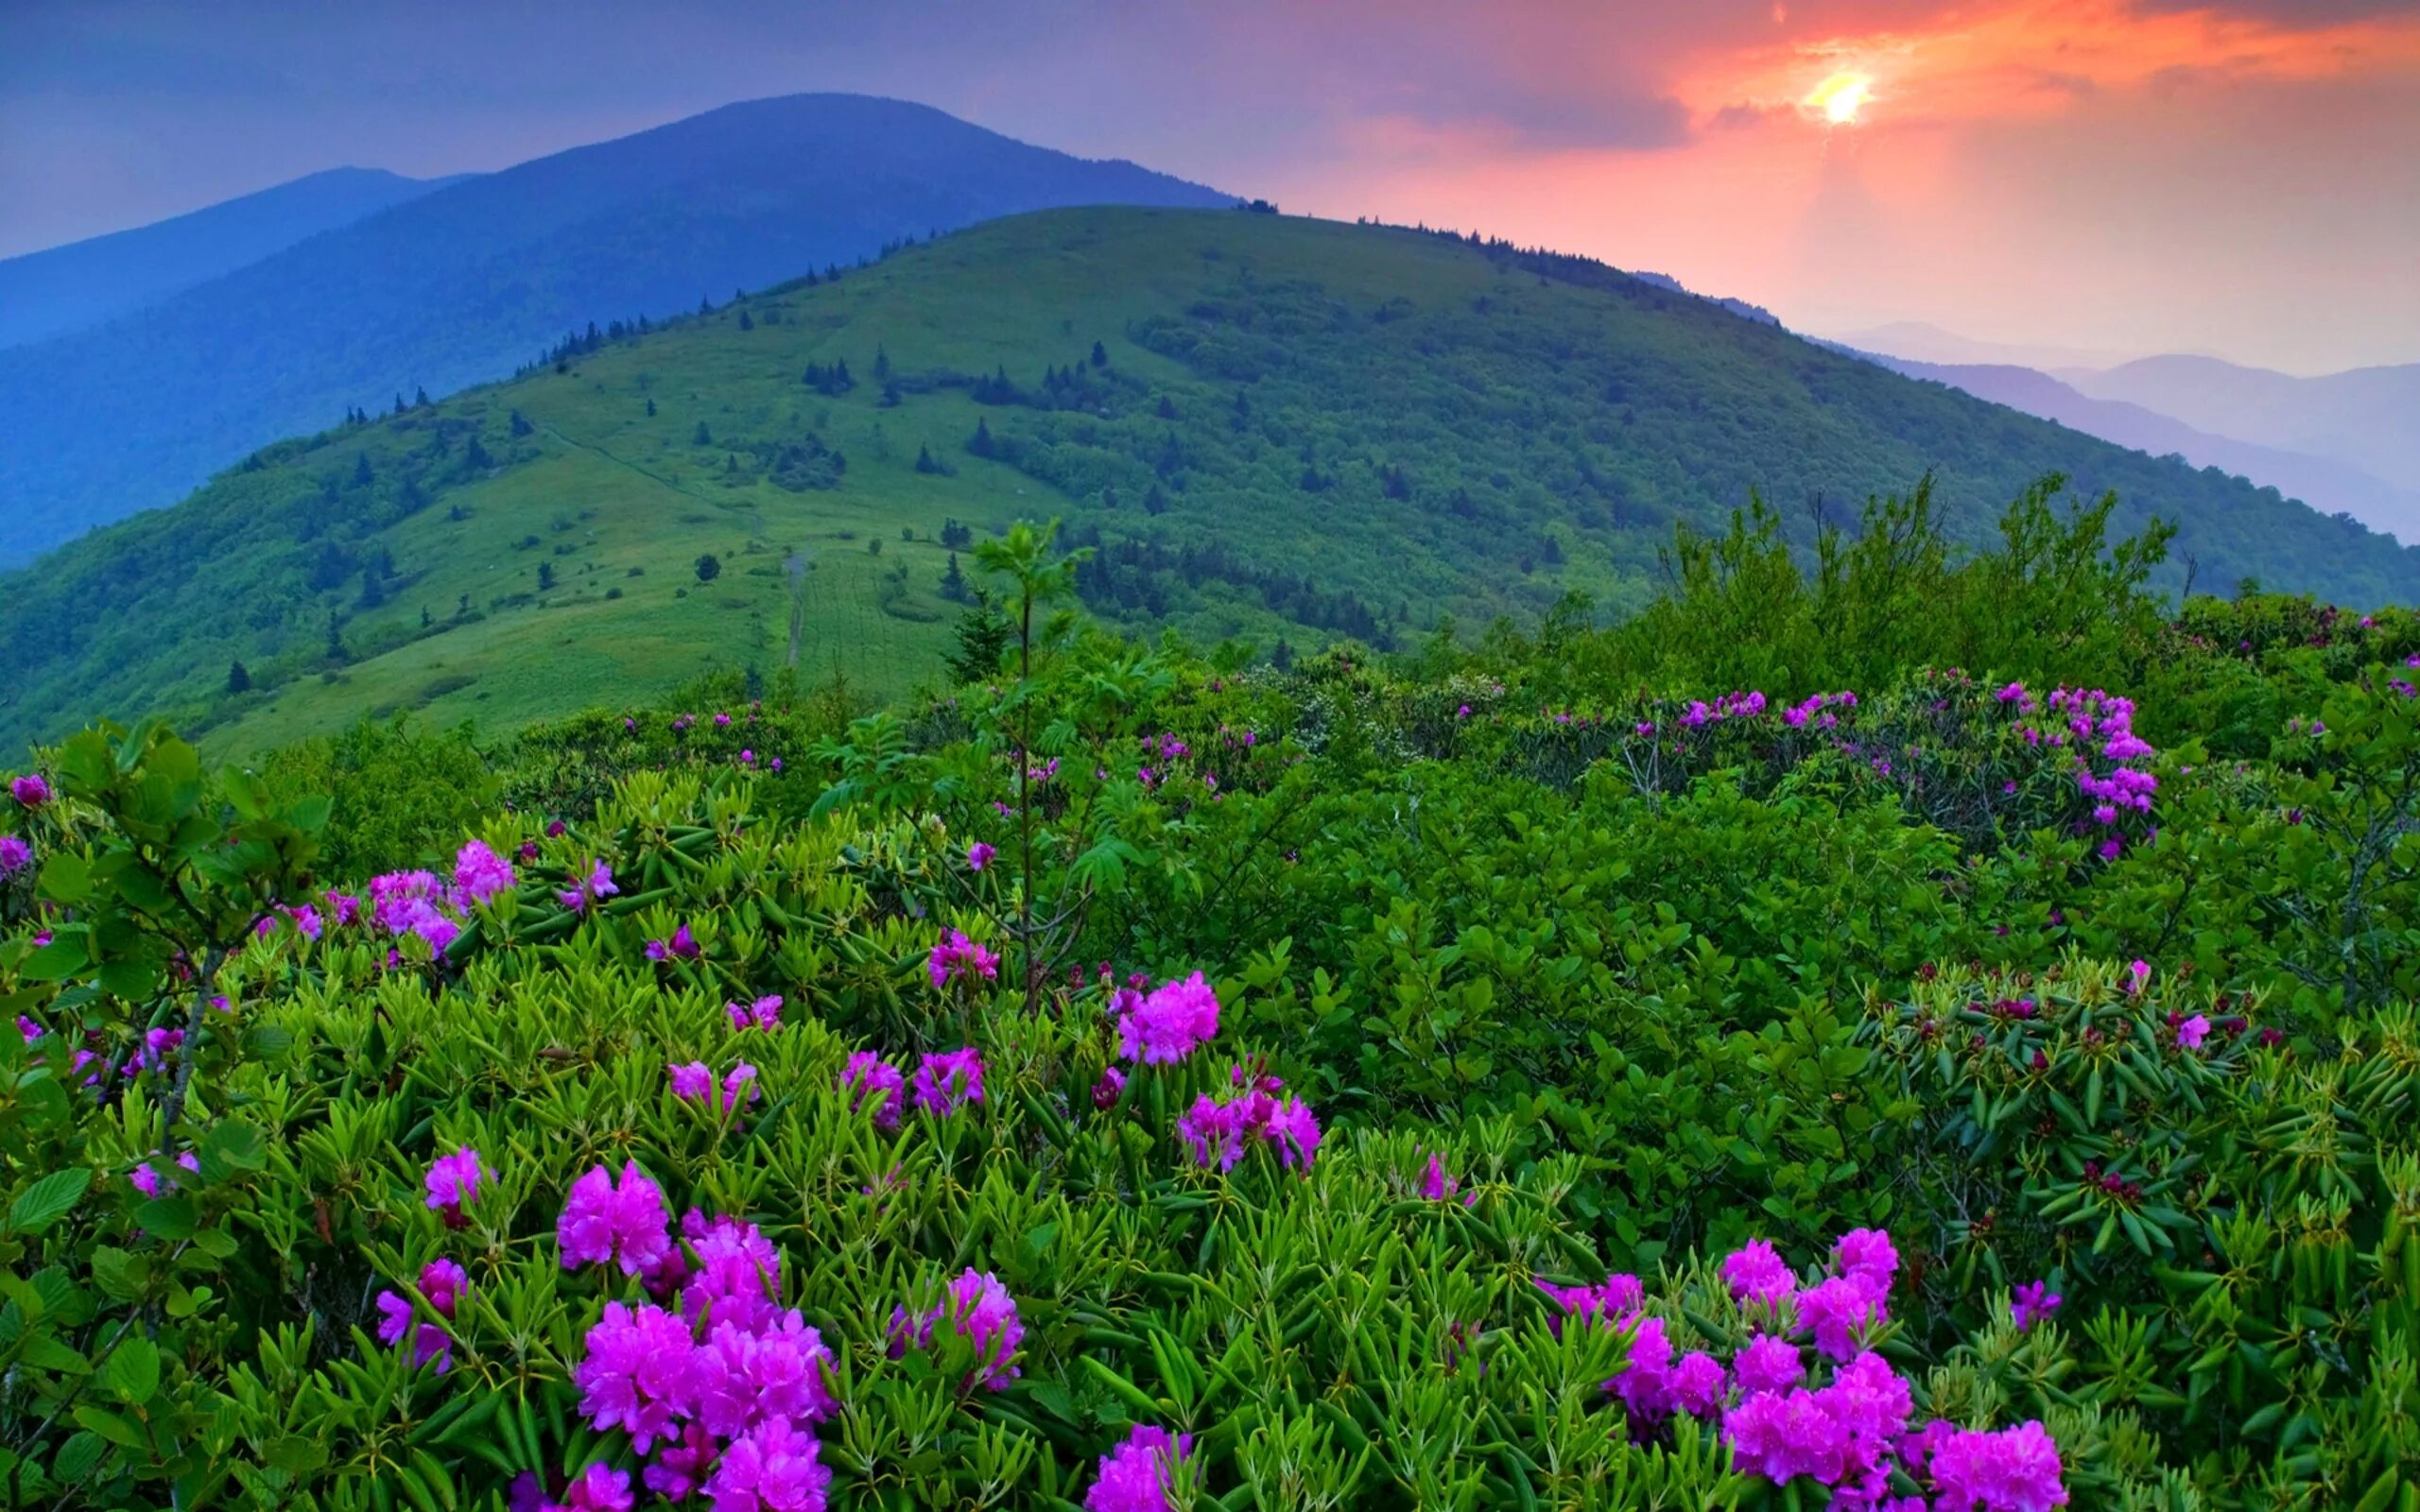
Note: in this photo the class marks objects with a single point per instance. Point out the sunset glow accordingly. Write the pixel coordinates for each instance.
(1839, 98)
(2234, 176)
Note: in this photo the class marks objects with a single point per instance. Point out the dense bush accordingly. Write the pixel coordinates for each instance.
(1133, 1082)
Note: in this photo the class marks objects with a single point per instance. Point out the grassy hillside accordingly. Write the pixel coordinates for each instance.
(1294, 430)
(461, 286)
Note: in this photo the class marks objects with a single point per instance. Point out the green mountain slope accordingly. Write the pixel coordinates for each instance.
(1295, 429)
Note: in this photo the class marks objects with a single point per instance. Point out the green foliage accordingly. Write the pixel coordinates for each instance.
(398, 793)
(1488, 432)
(1642, 967)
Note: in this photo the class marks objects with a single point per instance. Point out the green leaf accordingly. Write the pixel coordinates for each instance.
(77, 1459)
(232, 1146)
(134, 1370)
(111, 1426)
(48, 1200)
(132, 980)
(167, 1217)
(56, 961)
(66, 877)
(268, 1040)
(119, 1274)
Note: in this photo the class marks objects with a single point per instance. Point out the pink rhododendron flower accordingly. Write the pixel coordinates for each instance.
(1294, 1131)
(1436, 1186)
(1768, 1363)
(637, 1374)
(985, 1315)
(772, 1468)
(480, 874)
(408, 902)
(597, 1489)
(1167, 1025)
(1699, 1384)
(1867, 1255)
(443, 1283)
(1110, 1086)
(764, 1013)
(1871, 1402)
(1781, 1437)
(743, 1379)
(2016, 1469)
(683, 1465)
(692, 1082)
(867, 1077)
(1645, 1385)
(682, 945)
(2032, 1303)
(960, 957)
(453, 1181)
(29, 790)
(1135, 1475)
(627, 1224)
(1837, 1309)
(978, 855)
(2191, 1034)
(2139, 973)
(739, 1275)
(15, 855)
(597, 883)
(949, 1080)
(1754, 1273)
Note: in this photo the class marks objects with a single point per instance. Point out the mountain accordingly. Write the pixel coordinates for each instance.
(457, 286)
(1275, 430)
(2368, 418)
(2324, 484)
(83, 283)
(1738, 307)
(1922, 341)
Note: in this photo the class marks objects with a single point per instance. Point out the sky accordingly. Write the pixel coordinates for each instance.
(2240, 178)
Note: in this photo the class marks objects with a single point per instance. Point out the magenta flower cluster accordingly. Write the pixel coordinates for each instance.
(2095, 727)
(1167, 1024)
(959, 957)
(948, 1080)
(453, 1181)
(1849, 1432)
(682, 946)
(868, 1075)
(1730, 706)
(1258, 1111)
(619, 1223)
(1134, 1476)
(590, 885)
(695, 1083)
(979, 1310)
(443, 1283)
(724, 1392)
(764, 1013)
(1816, 710)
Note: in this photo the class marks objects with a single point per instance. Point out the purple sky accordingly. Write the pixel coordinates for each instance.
(2241, 178)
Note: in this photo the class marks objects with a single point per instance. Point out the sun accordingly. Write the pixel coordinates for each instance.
(1839, 98)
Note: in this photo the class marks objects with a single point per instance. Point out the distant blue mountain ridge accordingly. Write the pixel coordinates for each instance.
(83, 283)
(457, 285)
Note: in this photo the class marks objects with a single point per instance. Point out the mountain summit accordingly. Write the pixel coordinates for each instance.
(1275, 430)
(457, 286)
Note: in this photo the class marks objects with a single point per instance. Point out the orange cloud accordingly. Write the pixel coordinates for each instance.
(2034, 57)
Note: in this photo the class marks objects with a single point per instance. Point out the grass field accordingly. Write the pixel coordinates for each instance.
(1288, 429)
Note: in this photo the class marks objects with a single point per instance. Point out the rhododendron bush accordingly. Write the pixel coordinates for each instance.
(1141, 1084)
